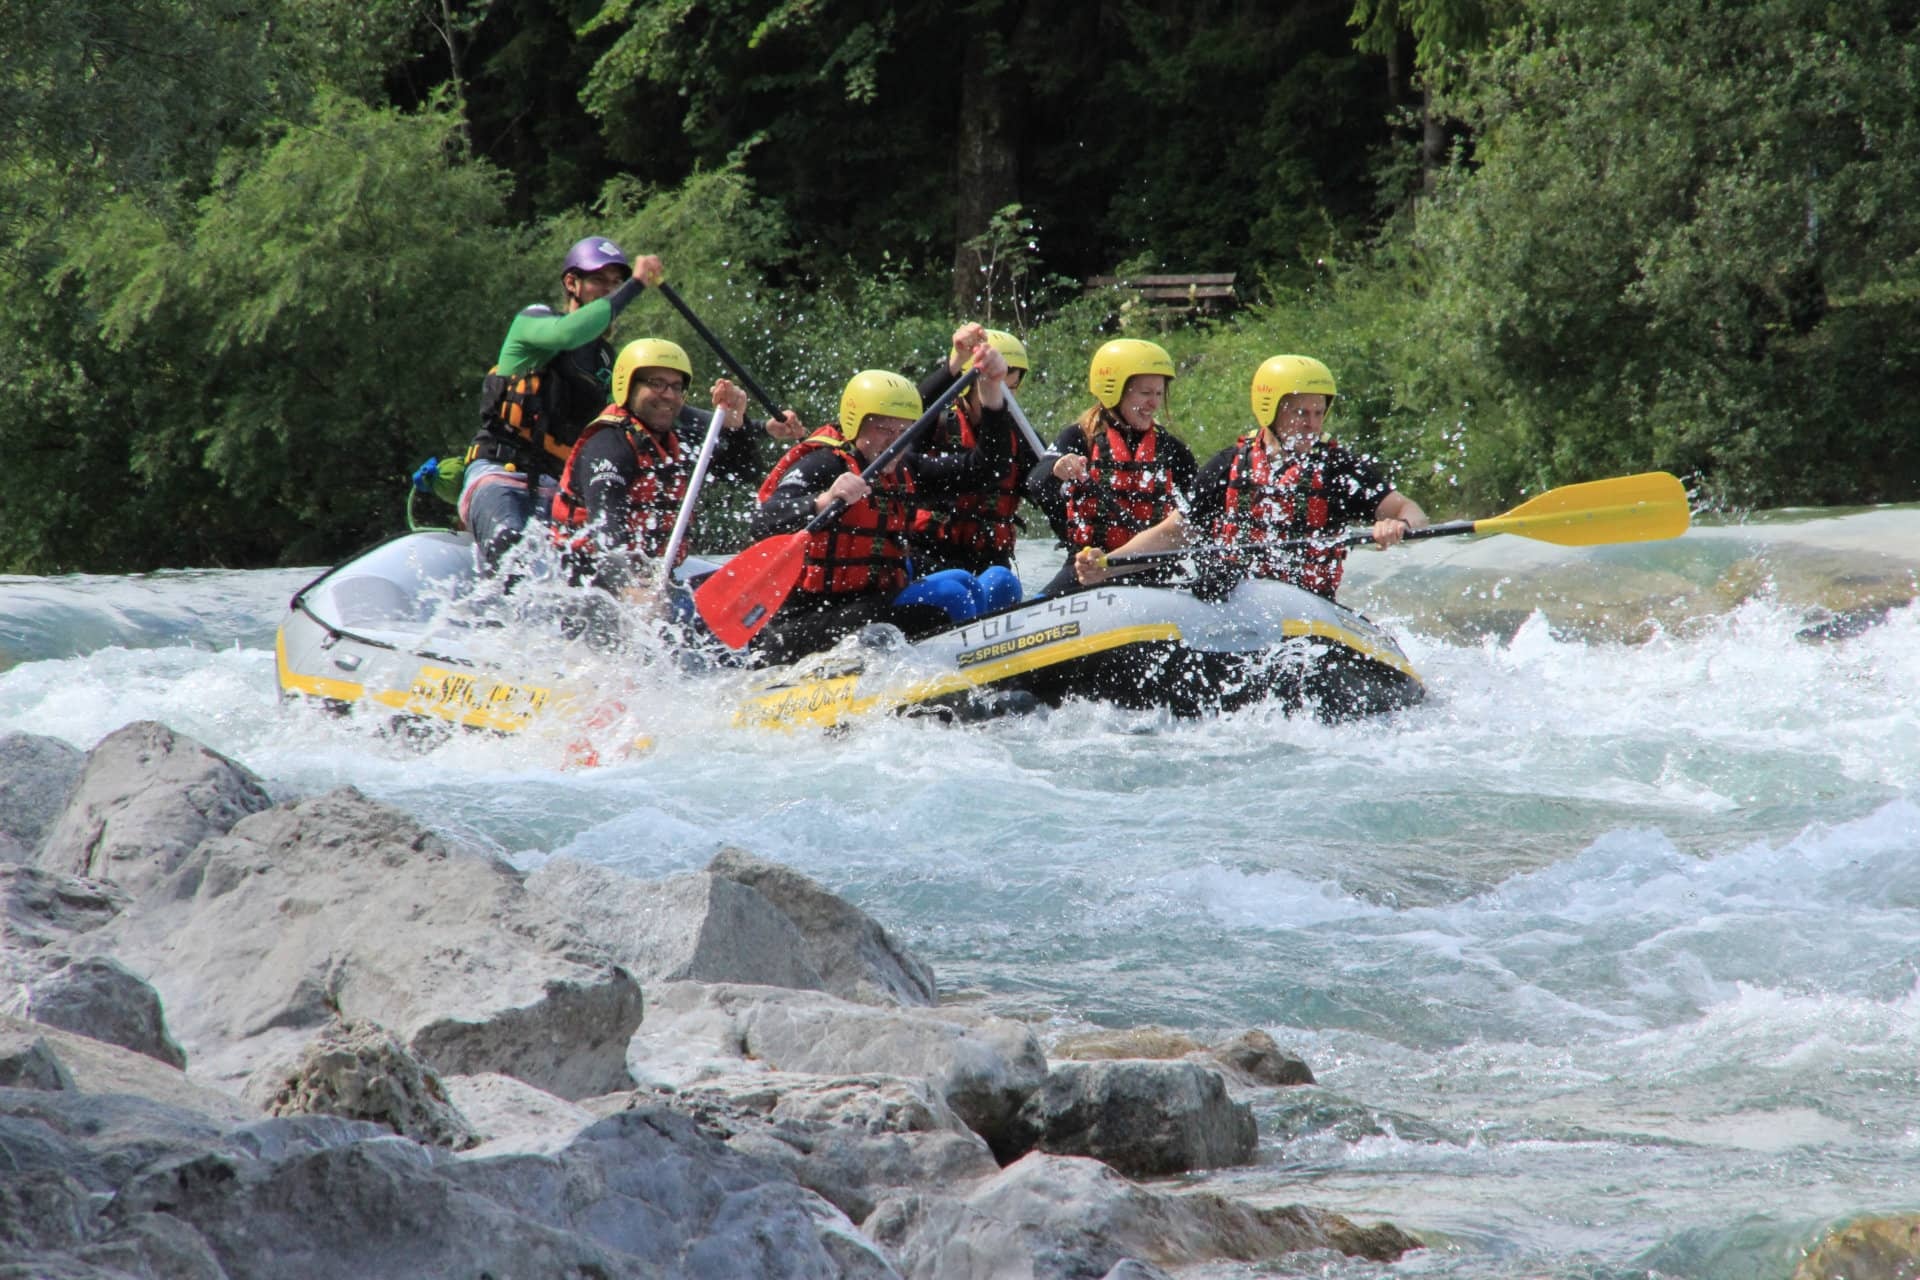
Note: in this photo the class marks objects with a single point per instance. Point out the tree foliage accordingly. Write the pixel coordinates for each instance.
(1686, 237)
(254, 259)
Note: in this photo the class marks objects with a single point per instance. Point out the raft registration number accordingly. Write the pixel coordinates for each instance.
(1018, 644)
(457, 694)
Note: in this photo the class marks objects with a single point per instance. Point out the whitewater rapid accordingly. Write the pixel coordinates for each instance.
(1606, 957)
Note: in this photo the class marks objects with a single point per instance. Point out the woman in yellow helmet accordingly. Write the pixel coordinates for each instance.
(1282, 493)
(1117, 470)
(975, 530)
(856, 566)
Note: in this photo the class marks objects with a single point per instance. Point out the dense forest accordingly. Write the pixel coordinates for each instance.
(256, 256)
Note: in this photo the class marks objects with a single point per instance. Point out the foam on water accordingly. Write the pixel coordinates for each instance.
(1602, 956)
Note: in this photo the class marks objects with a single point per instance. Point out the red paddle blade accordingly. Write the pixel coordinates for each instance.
(748, 589)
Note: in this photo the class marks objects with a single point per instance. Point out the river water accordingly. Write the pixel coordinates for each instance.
(1607, 957)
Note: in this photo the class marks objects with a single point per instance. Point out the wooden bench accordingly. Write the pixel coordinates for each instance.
(1204, 291)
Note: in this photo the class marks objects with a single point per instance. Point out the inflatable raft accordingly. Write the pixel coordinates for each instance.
(405, 628)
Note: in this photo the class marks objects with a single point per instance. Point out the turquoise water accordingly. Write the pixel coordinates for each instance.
(1606, 958)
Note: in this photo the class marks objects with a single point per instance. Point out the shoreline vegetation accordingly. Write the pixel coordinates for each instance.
(255, 262)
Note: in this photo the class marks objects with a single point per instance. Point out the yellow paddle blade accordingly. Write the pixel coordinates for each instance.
(1642, 508)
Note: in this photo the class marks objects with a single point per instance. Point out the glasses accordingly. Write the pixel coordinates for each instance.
(664, 386)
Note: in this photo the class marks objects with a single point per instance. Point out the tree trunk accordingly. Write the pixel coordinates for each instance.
(986, 175)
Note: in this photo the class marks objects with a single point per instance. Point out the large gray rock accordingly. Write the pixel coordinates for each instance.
(984, 1067)
(37, 776)
(1146, 1119)
(98, 996)
(40, 978)
(42, 909)
(338, 906)
(514, 1118)
(145, 799)
(856, 958)
(27, 1061)
(117, 1186)
(852, 1139)
(1064, 1218)
(106, 1071)
(694, 927)
(358, 1071)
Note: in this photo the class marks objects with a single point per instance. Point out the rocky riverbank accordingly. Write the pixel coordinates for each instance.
(309, 1038)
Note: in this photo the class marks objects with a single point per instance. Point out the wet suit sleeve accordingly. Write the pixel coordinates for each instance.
(1358, 485)
(790, 506)
(936, 475)
(1044, 489)
(736, 455)
(938, 379)
(1180, 465)
(1209, 494)
(608, 464)
(538, 334)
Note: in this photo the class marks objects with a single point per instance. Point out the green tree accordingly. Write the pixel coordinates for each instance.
(264, 365)
(1686, 238)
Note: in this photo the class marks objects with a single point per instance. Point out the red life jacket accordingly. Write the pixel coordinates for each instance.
(1125, 490)
(982, 519)
(1262, 507)
(654, 495)
(865, 549)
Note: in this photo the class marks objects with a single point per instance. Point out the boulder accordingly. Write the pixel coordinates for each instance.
(135, 1080)
(983, 1067)
(1252, 1057)
(679, 1202)
(28, 1062)
(1870, 1248)
(40, 908)
(855, 957)
(1125, 1042)
(1147, 1119)
(512, 1117)
(37, 776)
(118, 1186)
(340, 907)
(852, 1139)
(42, 980)
(357, 1070)
(1062, 1218)
(146, 798)
(98, 996)
(694, 927)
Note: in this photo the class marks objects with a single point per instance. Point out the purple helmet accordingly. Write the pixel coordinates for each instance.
(589, 255)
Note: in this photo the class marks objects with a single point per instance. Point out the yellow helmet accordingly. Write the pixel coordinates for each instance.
(1282, 376)
(647, 353)
(1009, 346)
(1121, 359)
(876, 391)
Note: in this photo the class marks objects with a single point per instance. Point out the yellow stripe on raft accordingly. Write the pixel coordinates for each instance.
(1351, 640)
(826, 702)
(314, 686)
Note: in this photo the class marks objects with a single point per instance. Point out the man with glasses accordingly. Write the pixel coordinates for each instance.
(625, 480)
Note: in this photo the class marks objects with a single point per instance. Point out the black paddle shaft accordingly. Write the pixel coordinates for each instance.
(898, 447)
(668, 292)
